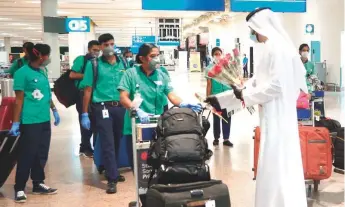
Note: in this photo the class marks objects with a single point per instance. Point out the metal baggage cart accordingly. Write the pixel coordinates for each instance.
(141, 170)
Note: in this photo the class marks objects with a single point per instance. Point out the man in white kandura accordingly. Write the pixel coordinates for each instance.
(275, 87)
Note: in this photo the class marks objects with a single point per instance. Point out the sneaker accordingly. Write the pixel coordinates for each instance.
(216, 142)
(86, 153)
(228, 143)
(121, 178)
(43, 190)
(20, 197)
(111, 187)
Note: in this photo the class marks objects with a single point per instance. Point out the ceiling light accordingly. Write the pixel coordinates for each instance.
(63, 12)
(30, 28)
(33, 2)
(17, 24)
(3, 18)
(6, 34)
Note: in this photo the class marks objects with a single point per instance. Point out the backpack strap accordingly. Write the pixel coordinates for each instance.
(94, 63)
(19, 63)
(151, 177)
(84, 64)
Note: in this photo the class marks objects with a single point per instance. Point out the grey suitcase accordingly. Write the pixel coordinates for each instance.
(211, 193)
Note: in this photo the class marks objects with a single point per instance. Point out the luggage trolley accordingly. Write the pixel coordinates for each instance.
(140, 148)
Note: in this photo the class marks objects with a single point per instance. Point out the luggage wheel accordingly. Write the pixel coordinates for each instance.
(309, 191)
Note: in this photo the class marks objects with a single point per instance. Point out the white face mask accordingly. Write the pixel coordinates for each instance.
(305, 54)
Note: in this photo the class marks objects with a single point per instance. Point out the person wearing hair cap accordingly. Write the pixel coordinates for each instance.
(275, 87)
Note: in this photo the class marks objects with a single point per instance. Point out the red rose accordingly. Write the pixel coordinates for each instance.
(224, 62)
(228, 56)
(217, 69)
(210, 74)
(236, 52)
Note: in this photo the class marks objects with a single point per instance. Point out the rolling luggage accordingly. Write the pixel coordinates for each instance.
(6, 113)
(211, 193)
(8, 155)
(316, 146)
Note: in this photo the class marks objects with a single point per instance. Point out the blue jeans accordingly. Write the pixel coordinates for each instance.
(225, 126)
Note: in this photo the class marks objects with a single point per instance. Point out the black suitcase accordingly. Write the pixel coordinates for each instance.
(198, 194)
(339, 149)
(8, 155)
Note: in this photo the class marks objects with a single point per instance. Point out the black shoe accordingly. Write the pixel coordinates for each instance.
(111, 187)
(43, 190)
(216, 142)
(228, 143)
(20, 197)
(121, 178)
(86, 153)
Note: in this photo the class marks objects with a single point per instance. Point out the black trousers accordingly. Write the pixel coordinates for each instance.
(245, 71)
(85, 134)
(110, 133)
(34, 144)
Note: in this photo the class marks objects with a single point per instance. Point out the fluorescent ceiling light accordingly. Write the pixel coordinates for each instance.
(17, 24)
(30, 28)
(4, 18)
(6, 34)
(63, 12)
(33, 2)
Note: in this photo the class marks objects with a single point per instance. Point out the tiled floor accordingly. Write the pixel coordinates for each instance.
(80, 185)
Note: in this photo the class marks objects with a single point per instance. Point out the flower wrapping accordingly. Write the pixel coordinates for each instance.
(228, 71)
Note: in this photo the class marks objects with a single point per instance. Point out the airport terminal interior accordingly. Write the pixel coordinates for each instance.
(185, 35)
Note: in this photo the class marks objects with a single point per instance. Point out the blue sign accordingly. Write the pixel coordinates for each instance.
(169, 43)
(309, 29)
(295, 6)
(217, 42)
(184, 5)
(135, 49)
(139, 40)
(77, 24)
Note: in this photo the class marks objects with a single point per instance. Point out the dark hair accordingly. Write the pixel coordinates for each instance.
(105, 38)
(92, 43)
(144, 50)
(215, 49)
(38, 50)
(303, 46)
(27, 45)
(127, 52)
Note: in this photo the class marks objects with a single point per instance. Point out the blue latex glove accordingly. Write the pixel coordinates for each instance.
(143, 116)
(194, 107)
(56, 117)
(85, 121)
(15, 129)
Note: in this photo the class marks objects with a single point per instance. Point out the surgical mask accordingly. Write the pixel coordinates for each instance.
(108, 51)
(46, 62)
(305, 54)
(95, 54)
(155, 63)
(129, 59)
(253, 38)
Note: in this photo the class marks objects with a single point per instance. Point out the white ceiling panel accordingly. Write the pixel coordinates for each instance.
(21, 19)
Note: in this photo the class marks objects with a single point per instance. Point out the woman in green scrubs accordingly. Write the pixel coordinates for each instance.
(32, 113)
(144, 82)
(309, 66)
(214, 87)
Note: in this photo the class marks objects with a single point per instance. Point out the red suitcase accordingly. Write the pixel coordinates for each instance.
(316, 146)
(6, 113)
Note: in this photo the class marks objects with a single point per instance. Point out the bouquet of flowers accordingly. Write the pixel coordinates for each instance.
(315, 83)
(228, 71)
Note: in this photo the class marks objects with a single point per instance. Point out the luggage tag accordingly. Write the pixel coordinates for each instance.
(105, 112)
(210, 203)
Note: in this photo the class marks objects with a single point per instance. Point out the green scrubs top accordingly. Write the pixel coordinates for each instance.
(153, 90)
(77, 67)
(217, 87)
(37, 94)
(14, 67)
(164, 70)
(309, 67)
(108, 79)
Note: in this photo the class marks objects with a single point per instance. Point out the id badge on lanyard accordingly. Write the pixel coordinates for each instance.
(105, 112)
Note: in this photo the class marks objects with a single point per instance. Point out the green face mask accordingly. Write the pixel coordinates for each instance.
(155, 63)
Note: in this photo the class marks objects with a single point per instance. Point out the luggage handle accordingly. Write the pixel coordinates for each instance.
(197, 193)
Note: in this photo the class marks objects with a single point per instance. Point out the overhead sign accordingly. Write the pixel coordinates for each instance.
(309, 29)
(184, 5)
(168, 43)
(294, 6)
(217, 42)
(77, 24)
(139, 40)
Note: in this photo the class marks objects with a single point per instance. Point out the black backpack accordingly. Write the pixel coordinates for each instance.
(331, 124)
(66, 91)
(179, 152)
(338, 143)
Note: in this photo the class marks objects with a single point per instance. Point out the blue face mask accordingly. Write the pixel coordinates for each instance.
(253, 38)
